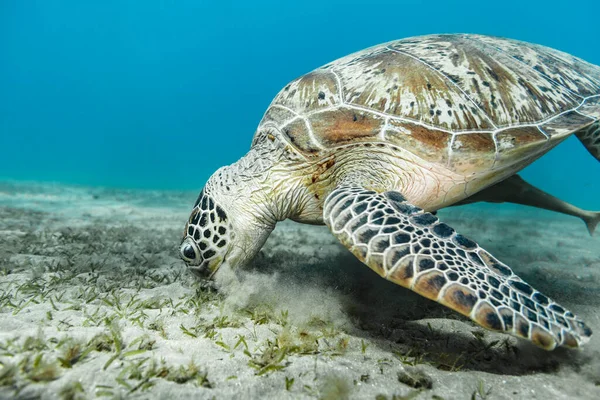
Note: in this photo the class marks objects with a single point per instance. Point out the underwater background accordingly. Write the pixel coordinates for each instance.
(113, 114)
(159, 94)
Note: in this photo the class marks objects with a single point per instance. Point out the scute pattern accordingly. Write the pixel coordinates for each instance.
(571, 72)
(428, 144)
(520, 140)
(500, 85)
(313, 91)
(473, 152)
(345, 125)
(410, 247)
(565, 124)
(487, 100)
(398, 84)
(591, 108)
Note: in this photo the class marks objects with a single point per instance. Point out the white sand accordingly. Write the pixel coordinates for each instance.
(97, 271)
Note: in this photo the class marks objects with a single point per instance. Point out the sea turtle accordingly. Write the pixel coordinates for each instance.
(374, 143)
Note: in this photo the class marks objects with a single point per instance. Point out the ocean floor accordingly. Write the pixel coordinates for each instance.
(94, 302)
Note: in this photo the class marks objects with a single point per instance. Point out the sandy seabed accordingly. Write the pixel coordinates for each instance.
(94, 303)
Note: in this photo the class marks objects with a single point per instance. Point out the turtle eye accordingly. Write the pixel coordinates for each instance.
(189, 252)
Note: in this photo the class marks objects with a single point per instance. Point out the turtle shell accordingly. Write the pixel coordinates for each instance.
(469, 102)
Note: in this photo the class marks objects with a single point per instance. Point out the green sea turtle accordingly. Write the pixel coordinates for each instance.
(374, 143)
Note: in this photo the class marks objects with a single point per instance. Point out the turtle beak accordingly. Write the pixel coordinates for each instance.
(214, 271)
(206, 269)
(213, 266)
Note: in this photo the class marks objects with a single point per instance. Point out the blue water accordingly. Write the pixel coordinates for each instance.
(158, 94)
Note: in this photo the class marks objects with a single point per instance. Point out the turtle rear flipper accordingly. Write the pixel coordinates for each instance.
(516, 190)
(412, 248)
(591, 220)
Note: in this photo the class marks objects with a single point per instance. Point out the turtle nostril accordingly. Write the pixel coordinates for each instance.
(188, 252)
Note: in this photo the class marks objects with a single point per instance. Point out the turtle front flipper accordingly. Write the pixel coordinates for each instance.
(412, 248)
(590, 138)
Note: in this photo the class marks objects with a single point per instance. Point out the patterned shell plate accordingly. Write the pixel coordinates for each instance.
(466, 101)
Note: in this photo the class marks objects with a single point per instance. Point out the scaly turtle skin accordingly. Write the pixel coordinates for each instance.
(374, 142)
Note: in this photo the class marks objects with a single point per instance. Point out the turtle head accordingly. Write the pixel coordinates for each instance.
(224, 227)
(207, 237)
